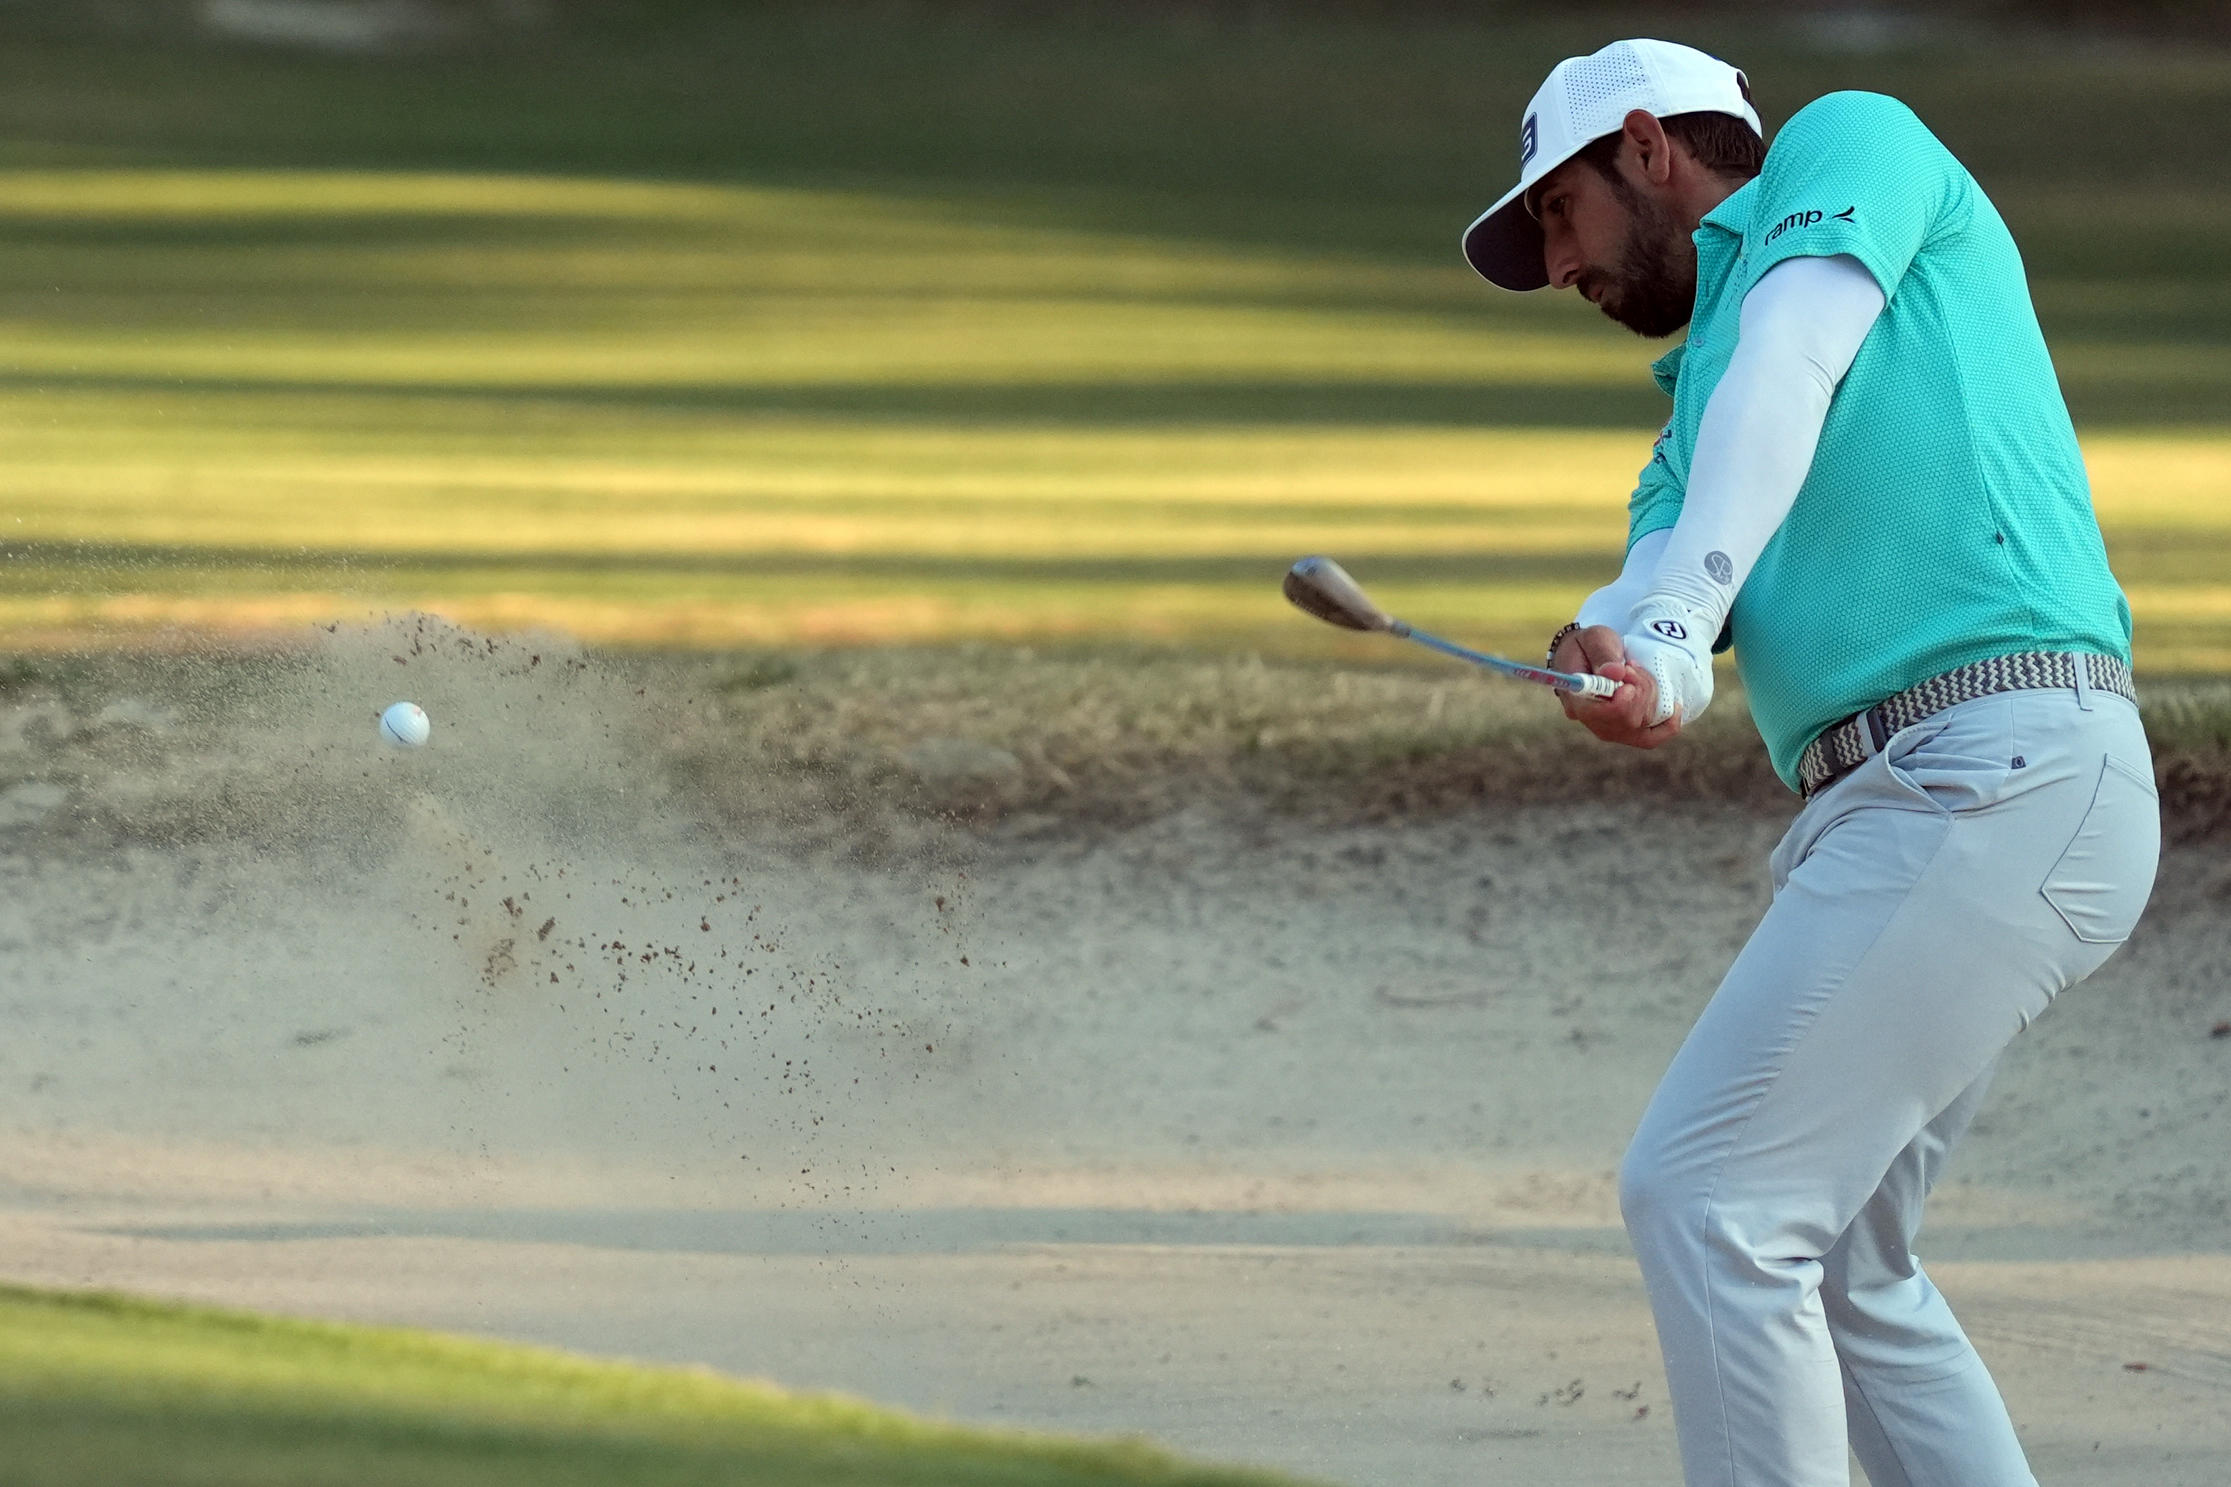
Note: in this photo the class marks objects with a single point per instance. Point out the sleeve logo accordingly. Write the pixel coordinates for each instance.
(1529, 139)
(1716, 563)
(1797, 220)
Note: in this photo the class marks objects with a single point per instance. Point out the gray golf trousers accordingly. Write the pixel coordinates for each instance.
(1926, 907)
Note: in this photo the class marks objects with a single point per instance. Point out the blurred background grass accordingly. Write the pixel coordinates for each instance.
(702, 325)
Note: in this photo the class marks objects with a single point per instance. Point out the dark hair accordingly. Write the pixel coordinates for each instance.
(1721, 143)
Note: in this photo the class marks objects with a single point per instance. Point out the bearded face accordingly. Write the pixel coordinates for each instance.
(1650, 288)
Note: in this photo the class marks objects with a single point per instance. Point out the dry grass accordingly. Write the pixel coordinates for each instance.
(1019, 743)
(879, 752)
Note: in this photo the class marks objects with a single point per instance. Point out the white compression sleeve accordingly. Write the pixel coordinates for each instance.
(1611, 604)
(1802, 325)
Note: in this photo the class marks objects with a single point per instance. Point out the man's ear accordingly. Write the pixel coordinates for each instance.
(1646, 140)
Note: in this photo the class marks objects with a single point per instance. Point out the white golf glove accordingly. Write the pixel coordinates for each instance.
(1672, 642)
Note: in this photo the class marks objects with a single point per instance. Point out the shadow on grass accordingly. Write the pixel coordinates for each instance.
(2194, 554)
(543, 228)
(37, 564)
(2099, 403)
(1174, 403)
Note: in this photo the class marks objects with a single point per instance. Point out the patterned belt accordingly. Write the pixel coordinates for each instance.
(1845, 746)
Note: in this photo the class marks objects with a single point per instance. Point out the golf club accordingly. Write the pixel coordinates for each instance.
(1321, 587)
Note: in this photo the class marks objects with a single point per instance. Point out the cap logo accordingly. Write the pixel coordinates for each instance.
(1529, 139)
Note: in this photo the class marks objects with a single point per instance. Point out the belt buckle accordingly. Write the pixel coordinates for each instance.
(1872, 735)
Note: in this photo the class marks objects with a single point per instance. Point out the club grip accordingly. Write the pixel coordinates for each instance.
(1595, 686)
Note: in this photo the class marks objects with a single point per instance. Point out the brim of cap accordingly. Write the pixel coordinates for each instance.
(1504, 244)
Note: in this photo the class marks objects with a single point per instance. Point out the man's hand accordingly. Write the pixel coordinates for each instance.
(1624, 717)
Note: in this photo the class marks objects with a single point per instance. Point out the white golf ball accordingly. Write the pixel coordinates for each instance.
(405, 725)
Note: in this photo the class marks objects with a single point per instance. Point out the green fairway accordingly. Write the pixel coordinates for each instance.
(99, 1389)
(775, 331)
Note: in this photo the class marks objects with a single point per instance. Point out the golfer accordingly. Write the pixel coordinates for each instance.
(1869, 487)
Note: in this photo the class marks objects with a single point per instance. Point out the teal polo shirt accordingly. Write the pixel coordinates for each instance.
(1947, 517)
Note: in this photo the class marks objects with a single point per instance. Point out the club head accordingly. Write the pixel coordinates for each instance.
(1321, 587)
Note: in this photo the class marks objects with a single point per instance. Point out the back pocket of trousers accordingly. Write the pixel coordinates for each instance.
(2101, 883)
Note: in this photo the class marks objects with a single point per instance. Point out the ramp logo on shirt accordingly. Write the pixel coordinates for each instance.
(1796, 220)
(1658, 445)
(1529, 139)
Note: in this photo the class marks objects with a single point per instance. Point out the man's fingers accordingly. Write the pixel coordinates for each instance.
(1624, 717)
(1582, 652)
(1620, 709)
(1637, 697)
(1601, 646)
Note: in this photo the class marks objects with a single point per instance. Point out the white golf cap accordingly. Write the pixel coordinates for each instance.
(1585, 99)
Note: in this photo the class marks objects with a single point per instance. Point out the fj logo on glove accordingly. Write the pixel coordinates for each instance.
(1670, 629)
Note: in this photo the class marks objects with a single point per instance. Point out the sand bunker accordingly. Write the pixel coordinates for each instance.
(1281, 1142)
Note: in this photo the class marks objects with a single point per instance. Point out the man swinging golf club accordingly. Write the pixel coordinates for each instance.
(1869, 486)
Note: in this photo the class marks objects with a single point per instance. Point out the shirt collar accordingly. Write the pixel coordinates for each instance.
(1733, 214)
(1731, 217)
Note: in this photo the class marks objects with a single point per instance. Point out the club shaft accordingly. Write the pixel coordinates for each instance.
(1563, 681)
